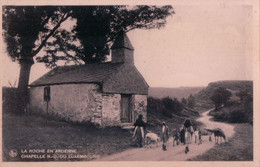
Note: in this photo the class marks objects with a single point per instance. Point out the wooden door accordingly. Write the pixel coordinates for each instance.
(125, 109)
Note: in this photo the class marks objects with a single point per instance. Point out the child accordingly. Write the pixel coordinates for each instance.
(196, 134)
(200, 140)
(176, 136)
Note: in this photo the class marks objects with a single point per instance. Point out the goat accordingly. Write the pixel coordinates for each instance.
(206, 132)
(151, 138)
(219, 133)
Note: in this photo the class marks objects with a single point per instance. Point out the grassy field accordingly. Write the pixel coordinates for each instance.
(238, 148)
(31, 132)
(34, 132)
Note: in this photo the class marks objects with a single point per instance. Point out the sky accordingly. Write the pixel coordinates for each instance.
(199, 44)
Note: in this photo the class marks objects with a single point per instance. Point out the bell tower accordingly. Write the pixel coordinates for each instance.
(122, 50)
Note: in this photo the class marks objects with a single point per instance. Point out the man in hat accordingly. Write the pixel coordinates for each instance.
(165, 135)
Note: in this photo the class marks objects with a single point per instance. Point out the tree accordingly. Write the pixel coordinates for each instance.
(27, 31)
(220, 96)
(177, 106)
(98, 26)
(191, 101)
(184, 101)
(244, 96)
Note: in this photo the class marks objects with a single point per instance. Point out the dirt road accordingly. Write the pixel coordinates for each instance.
(175, 153)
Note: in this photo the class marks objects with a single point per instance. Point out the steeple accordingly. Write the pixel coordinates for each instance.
(122, 50)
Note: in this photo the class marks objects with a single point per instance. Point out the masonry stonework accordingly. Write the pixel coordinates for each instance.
(71, 102)
(111, 110)
(140, 106)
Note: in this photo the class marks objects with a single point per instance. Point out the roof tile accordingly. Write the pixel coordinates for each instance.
(95, 72)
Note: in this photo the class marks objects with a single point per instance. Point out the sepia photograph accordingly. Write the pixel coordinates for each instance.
(124, 82)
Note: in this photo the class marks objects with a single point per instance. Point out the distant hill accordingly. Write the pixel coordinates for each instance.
(233, 86)
(159, 92)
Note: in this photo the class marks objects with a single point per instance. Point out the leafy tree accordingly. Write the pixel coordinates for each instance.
(191, 101)
(244, 96)
(184, 101)
(220, 96)
(28, 29)
(98, 26)
(168, 102)
(177, 106)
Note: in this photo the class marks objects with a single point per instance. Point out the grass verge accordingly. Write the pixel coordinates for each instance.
(238, 148)
(31, 132)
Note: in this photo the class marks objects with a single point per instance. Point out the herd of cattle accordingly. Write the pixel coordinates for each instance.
(152, 139)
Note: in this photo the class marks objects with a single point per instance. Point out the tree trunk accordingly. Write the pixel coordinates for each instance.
(25, 69)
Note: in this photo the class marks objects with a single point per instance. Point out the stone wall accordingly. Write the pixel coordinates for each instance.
(72, 102)
(139, 105)
(111, 110)
(85, 103)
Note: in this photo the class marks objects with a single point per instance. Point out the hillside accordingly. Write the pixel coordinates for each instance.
(238, 109)
(159, 92)
(232, 86)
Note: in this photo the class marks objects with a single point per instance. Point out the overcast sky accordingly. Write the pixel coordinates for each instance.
(199, 44)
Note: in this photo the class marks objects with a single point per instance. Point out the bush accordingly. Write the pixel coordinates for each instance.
(11, 100)
(239, 116)
(233, 115)
(165, 106)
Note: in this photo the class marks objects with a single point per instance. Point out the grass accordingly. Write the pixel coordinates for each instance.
(238, 148)
(31, 132)
(155, 121)
(34, 132)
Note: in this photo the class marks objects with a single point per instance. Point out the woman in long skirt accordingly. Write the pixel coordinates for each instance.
(183, 135)
(139, 131)
(188, 130)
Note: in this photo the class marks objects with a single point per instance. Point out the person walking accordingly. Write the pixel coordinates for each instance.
(188, 130)
(196, 134)
(182, 135)
(165, 135)
(139, 131)
(176, 136)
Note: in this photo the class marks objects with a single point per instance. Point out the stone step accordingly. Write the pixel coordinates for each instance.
(127, 126)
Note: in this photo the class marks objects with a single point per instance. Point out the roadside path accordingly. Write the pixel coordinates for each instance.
(175, 153)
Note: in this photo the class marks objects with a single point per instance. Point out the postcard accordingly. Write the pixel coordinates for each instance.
(112, 83)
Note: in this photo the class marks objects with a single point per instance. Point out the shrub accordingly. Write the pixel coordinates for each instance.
(238, 116)
(11, 100)
(233, 115)
(165, 106)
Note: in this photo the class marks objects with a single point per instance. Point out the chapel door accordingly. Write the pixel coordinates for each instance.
(125, 109)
